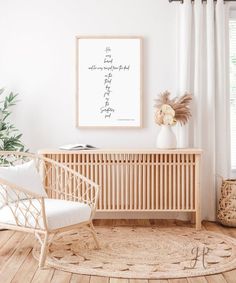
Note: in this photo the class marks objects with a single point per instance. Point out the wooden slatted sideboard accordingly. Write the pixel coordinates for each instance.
(140, 179)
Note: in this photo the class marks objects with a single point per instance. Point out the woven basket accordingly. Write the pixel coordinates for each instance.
(226, 213)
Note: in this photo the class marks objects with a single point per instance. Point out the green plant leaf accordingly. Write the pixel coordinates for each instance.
(10, 138)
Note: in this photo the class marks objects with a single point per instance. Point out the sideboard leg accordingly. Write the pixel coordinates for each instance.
(198, 221)
(198, 192)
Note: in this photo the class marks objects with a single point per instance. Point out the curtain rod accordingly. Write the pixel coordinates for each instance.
(182, 1)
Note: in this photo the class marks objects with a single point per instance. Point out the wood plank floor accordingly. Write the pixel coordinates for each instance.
(18, 265)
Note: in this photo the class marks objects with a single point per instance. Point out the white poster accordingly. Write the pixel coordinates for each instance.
(108, 82)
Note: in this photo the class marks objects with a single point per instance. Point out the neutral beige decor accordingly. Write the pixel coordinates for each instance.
(26, 207)
(170, 111)
(227, 203)
(143, 252)
(139, 180)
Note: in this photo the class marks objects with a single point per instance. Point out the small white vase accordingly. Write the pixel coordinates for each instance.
(166, 138)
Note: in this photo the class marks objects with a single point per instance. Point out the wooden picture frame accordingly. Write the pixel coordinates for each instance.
(109, 81)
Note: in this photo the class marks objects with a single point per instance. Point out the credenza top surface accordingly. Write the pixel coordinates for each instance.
(124, 151)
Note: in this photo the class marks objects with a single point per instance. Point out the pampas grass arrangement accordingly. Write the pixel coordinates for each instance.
(170, 111)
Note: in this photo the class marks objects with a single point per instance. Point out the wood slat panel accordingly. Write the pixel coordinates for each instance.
(167, 181)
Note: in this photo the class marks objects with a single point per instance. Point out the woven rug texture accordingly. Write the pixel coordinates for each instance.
(142, 252)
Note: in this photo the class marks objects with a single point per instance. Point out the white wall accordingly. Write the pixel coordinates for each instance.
(37, 60)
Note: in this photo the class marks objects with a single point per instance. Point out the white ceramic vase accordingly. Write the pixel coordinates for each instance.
(166, 138)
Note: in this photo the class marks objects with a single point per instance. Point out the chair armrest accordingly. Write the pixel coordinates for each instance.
(62, 182)
(25, 210)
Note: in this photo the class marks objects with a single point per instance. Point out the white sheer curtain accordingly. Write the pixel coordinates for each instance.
(203, 70)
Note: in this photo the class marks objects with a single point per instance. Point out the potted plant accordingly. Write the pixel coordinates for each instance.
(168, 113)
(10, 138)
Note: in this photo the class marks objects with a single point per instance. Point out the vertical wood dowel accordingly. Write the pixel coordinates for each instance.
(113, 181)
(136, 182)
(152, 183)
(109, 181)
(165, 181)
(174, 181)
(118, 179)
(178, 182)
(187, 181)
(170, 182)
(183, 187)
(139, 183)
(191, 183)
(161, 181)
(148, 187)
(127, 181)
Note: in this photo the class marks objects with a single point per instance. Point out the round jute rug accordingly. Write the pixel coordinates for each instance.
(136, 252)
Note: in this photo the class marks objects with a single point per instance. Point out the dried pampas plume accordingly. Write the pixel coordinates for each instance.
(180, 105)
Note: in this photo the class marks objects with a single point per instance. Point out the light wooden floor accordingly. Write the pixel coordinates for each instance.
(17, 264)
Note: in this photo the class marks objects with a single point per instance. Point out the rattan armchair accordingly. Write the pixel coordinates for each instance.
(25, 210)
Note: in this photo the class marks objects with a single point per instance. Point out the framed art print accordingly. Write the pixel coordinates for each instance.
(109, 81)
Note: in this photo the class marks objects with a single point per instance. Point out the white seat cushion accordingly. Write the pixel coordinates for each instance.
(23, 175)
(59, 213)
